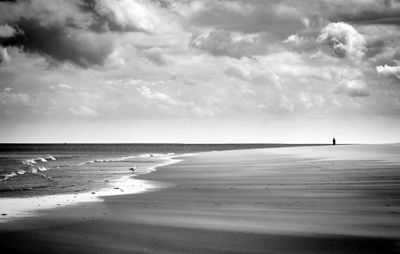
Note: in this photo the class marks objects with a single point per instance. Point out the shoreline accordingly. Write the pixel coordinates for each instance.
(23, 207)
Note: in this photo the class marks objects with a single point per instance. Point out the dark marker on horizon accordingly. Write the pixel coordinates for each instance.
(333, 141)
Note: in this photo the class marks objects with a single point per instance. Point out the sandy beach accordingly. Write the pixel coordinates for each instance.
(326, 199)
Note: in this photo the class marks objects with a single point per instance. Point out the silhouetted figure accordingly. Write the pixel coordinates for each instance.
(333, 141)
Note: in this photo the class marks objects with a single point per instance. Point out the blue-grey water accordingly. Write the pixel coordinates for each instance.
(45, 169)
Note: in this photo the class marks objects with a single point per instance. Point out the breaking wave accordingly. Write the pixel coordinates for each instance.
(31, 166)
(132, 157)
(39, 160)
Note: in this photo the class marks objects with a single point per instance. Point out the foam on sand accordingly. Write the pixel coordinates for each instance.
(12, 208)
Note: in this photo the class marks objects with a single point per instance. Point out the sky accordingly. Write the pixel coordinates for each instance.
(191, 71)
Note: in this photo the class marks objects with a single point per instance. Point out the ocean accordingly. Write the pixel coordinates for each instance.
(29, 171)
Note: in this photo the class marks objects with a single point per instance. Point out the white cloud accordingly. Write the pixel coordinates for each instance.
(295, 39)
(354, 88)
(208, 106)
(261, 107)
(305, 99)
(126, 83)
(284, 102)
(155, 55)
(303, 43)
(62, 87)
(338, 40)
(156, 96)
(225, 43)
(203, 111)
(84, 111)
(254, 75)
(388, 70)
(343, 40)
(10, 98)
(138, 14)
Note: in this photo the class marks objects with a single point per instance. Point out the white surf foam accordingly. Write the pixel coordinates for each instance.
(131, 157)
(21, 172)
(8, 176)
(26, 207)
(41, 168)
(41, 159)
(29, 162)
(50, 157)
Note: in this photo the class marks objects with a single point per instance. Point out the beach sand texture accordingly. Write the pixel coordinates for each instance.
(342, 199)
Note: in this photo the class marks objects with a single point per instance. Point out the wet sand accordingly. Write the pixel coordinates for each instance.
(342, 199)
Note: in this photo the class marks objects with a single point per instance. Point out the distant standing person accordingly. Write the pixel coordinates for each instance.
(333, 141)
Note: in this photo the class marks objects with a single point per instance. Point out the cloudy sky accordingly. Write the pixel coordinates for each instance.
(200, 71)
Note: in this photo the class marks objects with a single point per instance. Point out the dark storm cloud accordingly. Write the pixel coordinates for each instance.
(66, 13)
(55, 29)
(78, 31)
(60, 43)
